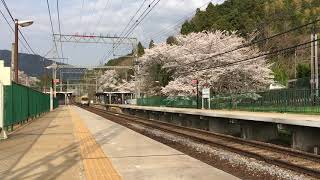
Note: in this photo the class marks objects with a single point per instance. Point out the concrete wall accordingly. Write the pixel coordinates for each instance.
(224, 126)
(259, 131)
(5, 79)
(303, 138)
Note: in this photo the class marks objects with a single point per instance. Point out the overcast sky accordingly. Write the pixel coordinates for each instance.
(75, 18)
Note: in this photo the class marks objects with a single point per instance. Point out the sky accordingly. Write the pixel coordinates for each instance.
(105, 17)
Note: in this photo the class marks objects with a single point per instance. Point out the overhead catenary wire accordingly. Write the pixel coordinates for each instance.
(138, 21)
(140, 7)
(177, 23)
(142, 16)
(59, 23)
(131, 28)
(81, 11)
(101, 16)
(94, 7)
(52, 30)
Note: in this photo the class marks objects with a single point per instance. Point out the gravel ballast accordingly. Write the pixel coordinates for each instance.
(238, 165)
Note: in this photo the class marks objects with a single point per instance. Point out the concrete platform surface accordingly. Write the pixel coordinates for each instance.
(43, 149)
(283, 118)
(137, 157)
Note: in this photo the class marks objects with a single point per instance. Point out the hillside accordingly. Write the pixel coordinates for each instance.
(259, 19)
(32, 65)
(120, 61)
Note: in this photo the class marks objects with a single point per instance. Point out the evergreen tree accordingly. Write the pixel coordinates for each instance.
(171, 40)
(151, 44)
(187, 27)
(140, 49)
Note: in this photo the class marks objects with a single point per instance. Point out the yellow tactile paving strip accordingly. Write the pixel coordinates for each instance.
(97, 165)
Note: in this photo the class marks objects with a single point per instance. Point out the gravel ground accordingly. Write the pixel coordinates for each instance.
(238, 165)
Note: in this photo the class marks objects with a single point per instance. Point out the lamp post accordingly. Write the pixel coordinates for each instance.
(18, 23)
(54, 67)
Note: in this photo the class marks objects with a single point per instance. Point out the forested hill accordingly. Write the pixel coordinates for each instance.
(261, 19)
(32, 65)
(248, 16)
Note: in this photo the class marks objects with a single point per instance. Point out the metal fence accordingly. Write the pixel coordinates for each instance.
(179, 101)
(284, 100)
(21, 103)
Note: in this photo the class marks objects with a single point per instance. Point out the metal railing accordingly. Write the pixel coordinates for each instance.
(284, 100)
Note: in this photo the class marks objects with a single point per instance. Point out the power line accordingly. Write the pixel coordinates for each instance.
(133, 17)
(81, 11)
(250, 43)
(59, 27)
(135, 24)
(11, 16)
(55, 44)
(8, 10)
(177, 23)
(251, 58)
(101, 16)
(90, 14)
(5, 18)
(143, 17)
(140, 7)
(152, 5)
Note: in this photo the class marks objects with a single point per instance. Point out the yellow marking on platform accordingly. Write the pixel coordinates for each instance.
(96, 164)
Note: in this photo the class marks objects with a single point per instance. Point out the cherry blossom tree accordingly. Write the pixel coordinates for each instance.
(111, 81)
(201, 56)
(26, 80)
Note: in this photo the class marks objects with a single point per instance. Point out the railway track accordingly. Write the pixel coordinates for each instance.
(297, 161)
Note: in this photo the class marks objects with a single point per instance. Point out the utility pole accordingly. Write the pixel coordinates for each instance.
(197, 94)
(16, 53)
(67, 85)
(137, 70)
(61, 81)
(16, 40)
(13, 54)
(295, 63)
(314, 81)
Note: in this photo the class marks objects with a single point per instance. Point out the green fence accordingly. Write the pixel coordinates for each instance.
(180, 102)
(21, 103)
(285, 100)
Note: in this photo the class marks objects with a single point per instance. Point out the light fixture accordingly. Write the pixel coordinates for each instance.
(25, 23)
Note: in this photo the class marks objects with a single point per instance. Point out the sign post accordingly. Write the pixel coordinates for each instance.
(195, 81)
(205, 95)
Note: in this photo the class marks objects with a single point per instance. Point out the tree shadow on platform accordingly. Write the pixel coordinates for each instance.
(47, 167)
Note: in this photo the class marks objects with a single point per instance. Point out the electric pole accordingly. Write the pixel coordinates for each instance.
(314, 64)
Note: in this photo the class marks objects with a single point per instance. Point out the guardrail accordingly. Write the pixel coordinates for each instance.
(284, 100)
(22, 103)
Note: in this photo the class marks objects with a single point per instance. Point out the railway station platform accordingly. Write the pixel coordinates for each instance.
(283, 118)
(259, 126)
(72, 143)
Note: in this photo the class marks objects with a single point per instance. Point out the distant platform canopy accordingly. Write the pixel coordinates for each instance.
(120, 97)
(107, 93)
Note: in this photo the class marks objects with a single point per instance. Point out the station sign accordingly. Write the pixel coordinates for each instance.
(206, 93)
(194, 81)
